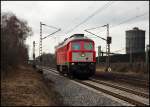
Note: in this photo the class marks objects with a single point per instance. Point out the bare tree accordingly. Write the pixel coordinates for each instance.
(48, 59)
(14, 32)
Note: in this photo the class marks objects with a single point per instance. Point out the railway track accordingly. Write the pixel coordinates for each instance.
(125, 79)
(142, 83)
(123, 93)
(146, 95)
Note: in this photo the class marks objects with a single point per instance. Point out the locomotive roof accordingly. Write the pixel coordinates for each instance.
(72, 38)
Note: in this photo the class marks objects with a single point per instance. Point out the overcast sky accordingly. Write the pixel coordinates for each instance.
(68, 14)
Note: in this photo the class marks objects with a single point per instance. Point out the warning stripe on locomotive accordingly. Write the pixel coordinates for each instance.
(79, 56)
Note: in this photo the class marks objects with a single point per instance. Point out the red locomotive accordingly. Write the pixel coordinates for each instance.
(75, 56)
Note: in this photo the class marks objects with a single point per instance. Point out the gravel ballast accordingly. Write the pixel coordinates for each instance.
(75, 94)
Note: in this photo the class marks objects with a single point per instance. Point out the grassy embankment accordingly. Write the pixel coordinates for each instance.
(122, 69)
(23, 86)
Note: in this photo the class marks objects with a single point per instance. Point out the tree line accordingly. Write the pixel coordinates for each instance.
(47, 59)
(14, 32)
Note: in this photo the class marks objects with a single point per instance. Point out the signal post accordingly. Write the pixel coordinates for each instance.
(108, 42)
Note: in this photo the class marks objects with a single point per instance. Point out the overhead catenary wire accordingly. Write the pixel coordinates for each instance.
(50, 26)
(51, 34)
(137, 16)
(92, 5)
(57, 30)
(93, 14)
(125, 21)
(119, 50)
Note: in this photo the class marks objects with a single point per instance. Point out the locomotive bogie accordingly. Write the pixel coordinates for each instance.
(82, 69)
(78, 69)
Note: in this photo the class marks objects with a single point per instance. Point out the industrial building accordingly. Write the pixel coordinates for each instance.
(135, 41)
(135, 48)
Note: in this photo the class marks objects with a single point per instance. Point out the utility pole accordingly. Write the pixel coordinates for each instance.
(108, 41)
(40, 45)
(34, 60)
(147, 58)
(34, 54)
(130, 53)
(108, 50)
(99, 54)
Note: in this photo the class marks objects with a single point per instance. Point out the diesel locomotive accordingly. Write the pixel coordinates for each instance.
(76, 56)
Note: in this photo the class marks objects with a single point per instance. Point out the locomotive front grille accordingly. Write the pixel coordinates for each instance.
(82, 56)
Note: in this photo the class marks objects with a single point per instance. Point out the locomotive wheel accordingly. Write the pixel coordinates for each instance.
(70, 74)
(84, 77)
(58, 69)
(61, 73)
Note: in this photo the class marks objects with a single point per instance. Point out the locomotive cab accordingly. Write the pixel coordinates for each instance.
(82, 58)
(76, 56)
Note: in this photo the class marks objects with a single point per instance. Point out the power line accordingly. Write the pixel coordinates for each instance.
(119, 50)
(127, 20)
(130, 19)
(93, 14)
(80, 15)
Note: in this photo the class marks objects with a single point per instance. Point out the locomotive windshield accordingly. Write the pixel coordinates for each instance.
(76, 46)
(88, 45)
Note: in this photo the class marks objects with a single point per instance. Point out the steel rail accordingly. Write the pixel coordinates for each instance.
(117, 95)
(121, 88)
(129, 80)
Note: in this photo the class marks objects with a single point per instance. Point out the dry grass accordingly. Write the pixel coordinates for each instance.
(122, 68)
(25, 87)
(100, 68)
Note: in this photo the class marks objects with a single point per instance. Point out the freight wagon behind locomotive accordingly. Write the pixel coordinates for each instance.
(75, 56)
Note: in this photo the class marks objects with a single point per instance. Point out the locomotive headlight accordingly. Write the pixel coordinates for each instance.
(72, 63)
(83, 55)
